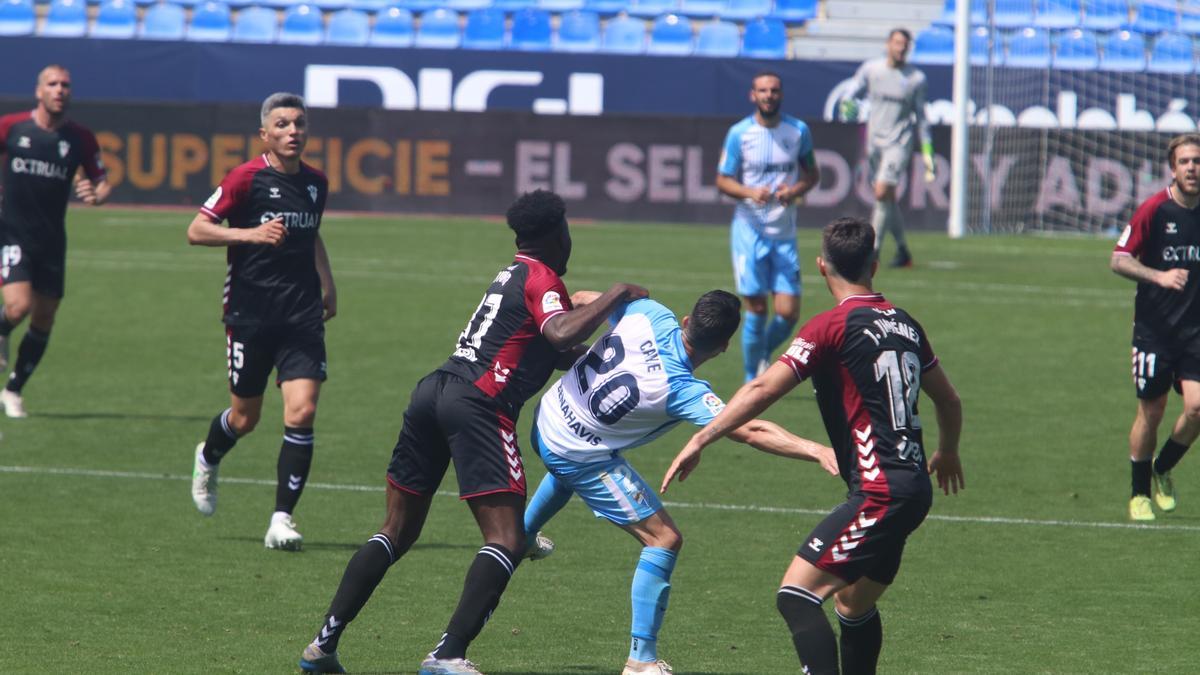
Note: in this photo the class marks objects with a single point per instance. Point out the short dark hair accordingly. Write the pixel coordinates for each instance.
(281, 99)
(714, 320)
(1178, 142)
(765, 73)
(535, 214)
(902, 31)
(848, 244)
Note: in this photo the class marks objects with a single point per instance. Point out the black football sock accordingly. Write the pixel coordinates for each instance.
(1170, 454)
(295, 458)
(486, 580)
(861, 640)
(811, 633)
(221, 438)
(6, 326)
(363, 573)
(33, 345)
(1141, 477)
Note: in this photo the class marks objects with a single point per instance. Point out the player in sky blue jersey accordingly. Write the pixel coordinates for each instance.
(632, 386)
(767, 165)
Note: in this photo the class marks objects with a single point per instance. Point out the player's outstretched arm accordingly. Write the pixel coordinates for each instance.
(1131, 268)
(328, 288)
(773, 439)
(574, 327)
(754, 397)
(581, 298)
(204, 232)
(945, 463)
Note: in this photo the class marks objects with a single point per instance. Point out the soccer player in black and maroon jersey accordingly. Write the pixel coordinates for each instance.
(44, 154)
(869, 361)
(466, 412)
(279, 292)
(1160, 249)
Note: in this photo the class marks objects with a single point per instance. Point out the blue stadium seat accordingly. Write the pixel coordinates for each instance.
(1105, 14)
(513, 5)
(1058, 14)
(17, 17)
(302, 26)
(980, 39)
(702, 9)
(718, 38)
(933, 46)
(624, 35)
(605, 7)
(280, 4)
(1155, 18)
(370, 6)
(1013, 13)
(765, 38)
(485, 29)
(651, 8)
(255, 24)
(745, 10)
(348, 27)
(393, 28)
(438, 29)
(671, 35)
(465, 5)
(531, 30)
(1077, 50)
(1189, 19)
(1172, 53)
(65, 18)
(978, 13)
(578, 31)
(1124, 51)
(795, 11)
(116, 19)
(328, 6)
(210, 23)
(1029, 48)
(163, 22)
(558, 6)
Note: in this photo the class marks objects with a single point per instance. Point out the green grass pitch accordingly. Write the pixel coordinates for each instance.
(105, 566)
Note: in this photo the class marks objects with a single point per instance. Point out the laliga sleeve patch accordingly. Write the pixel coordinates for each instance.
(212, 201)
(714, 403)
(551, 302)
(1125, 236)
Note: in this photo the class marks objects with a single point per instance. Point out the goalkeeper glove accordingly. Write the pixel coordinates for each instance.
(930, 165)
(849, 110)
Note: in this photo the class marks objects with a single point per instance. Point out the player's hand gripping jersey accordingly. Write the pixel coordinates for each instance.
(633, 385)
(759, 156)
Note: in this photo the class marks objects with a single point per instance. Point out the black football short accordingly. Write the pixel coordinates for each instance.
(864, 537)
(448, 418)
(1159, 363)
(295, 352)
(44, 269)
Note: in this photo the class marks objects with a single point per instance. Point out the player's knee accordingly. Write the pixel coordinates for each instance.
(885, 192)
(301, 414)
(243, 421)
(17, 309)
(1151, 411)
(1191, 412)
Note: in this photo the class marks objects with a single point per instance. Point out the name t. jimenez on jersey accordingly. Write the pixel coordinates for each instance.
(632, 386)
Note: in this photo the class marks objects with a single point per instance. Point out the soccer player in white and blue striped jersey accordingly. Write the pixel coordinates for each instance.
(767, 165)
(632, 386)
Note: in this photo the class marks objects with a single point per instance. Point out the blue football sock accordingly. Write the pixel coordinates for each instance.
(651, 590)
(549, 499)
(754, 343)
(778, 330)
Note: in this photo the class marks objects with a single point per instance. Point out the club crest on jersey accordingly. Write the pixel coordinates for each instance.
(312, 193)
(23, 142)
(63, 148)
(551, 302)
(275, 193)
(212, 201)
(714, 403)
(1172, 228)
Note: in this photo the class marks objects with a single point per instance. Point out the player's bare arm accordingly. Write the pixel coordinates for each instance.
(328, 288)
(1131, 268)
(568, 329)
(754, 397)
(204, 232)
(945, 463)
(569, 357)
(810, 176)
(773, 439)
(92, 194)
(581, 298)
(728, 185)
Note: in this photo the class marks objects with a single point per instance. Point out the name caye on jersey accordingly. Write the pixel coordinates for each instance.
(866, 358)
(502, 349)
(1163, 235)
(39, 171)
(267, 285)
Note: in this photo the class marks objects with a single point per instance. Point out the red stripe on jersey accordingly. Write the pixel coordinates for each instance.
(402, 488)
(7, 122)
(872, 511)
(872, 478)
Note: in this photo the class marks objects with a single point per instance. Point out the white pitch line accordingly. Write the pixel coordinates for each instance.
(704, 506)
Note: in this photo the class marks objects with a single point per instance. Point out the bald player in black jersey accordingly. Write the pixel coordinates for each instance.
(44, 153)
(869, 361)
(279, 291)
(1160, 250)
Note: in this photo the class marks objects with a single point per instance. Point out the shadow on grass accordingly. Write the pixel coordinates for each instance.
(353, 546)
(121, 416)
